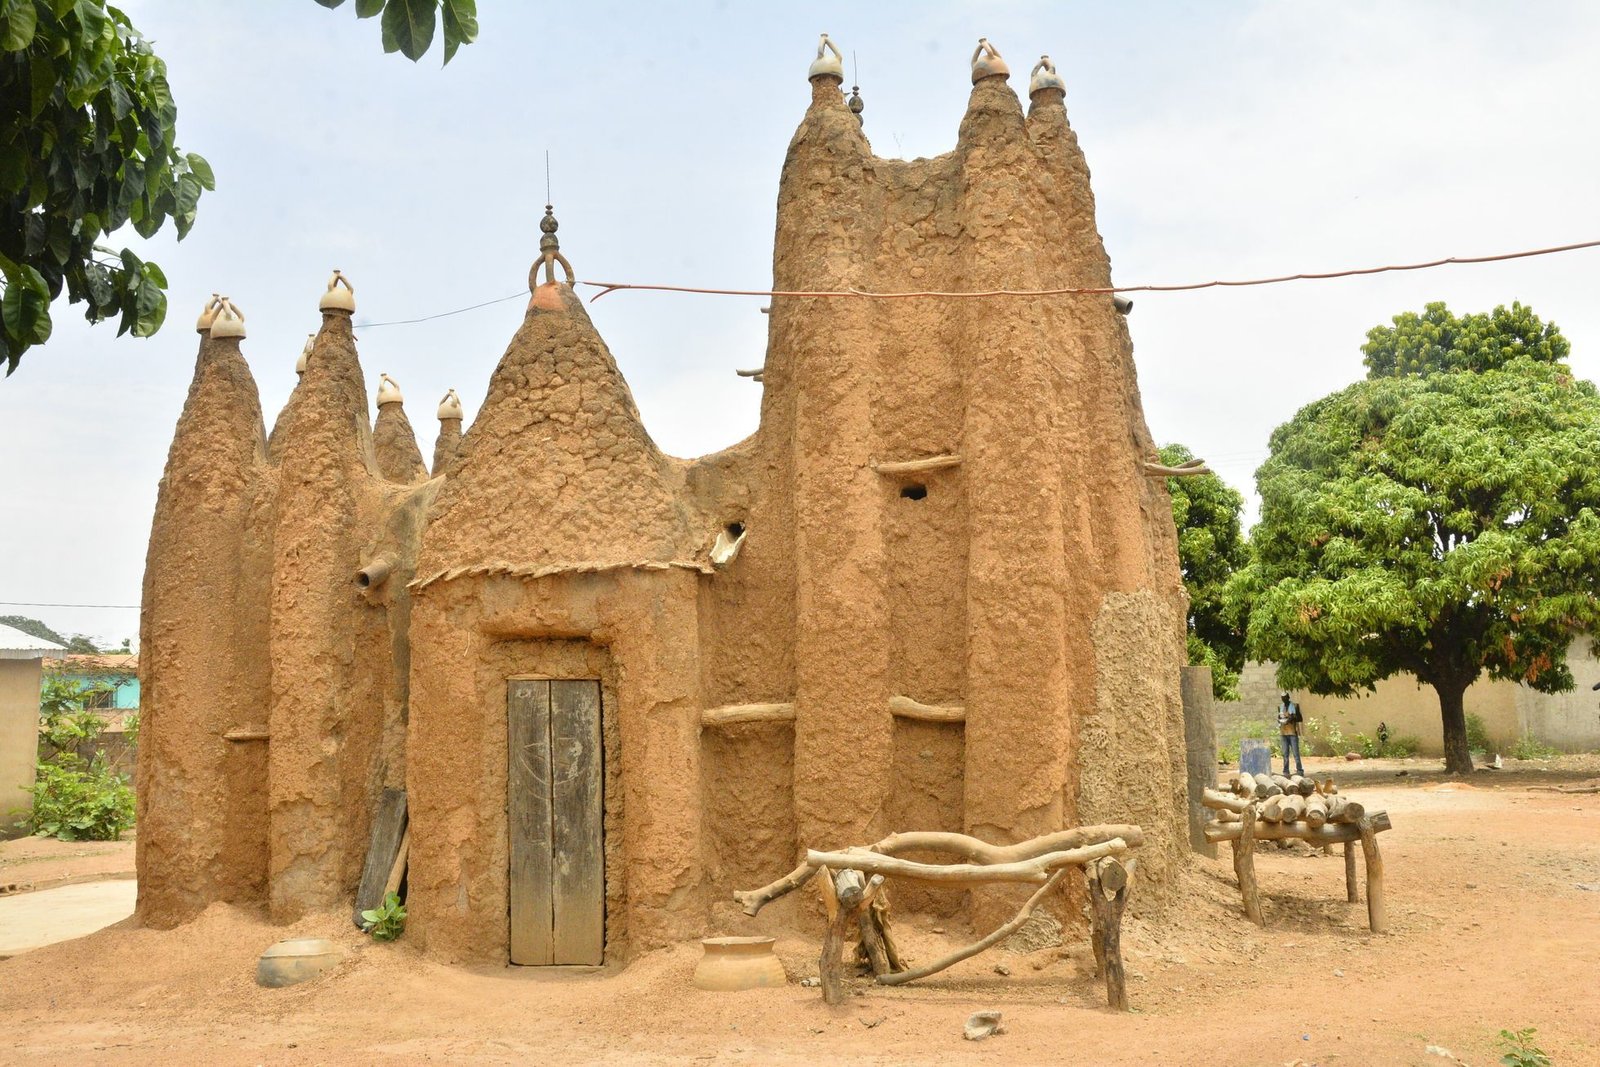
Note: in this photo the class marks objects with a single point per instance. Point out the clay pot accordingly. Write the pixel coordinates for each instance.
(733, 963)
(295, 960)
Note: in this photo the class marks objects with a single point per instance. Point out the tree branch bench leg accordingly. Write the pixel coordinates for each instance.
(1352, 891)
(1377, 907)
(1108, 895)
(1244, 866)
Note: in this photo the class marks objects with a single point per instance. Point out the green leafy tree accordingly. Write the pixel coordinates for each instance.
(1446, 525)
(87, 145)
(1211, 546)
(1437, 340)
(409, 25)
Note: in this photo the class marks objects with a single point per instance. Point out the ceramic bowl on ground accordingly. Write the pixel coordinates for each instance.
(295, 960)
(733, 963)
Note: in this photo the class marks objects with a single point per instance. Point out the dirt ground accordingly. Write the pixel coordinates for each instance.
(29, 863)
(1494, 902)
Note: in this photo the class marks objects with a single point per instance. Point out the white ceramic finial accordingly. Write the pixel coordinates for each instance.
(336, 299)
(824, 64)
(208, 313)
(388, 391)
(450, 406)
(228, 321)
(1044, 76)
(305, 354)
(986, 62)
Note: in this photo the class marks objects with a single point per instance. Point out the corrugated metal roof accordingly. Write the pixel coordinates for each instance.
(14, 644)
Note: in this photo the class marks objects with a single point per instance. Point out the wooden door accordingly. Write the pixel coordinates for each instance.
(558, 884)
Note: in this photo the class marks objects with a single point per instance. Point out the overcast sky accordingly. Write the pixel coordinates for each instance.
(1225, 141)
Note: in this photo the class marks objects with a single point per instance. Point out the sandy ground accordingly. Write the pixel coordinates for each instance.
(41, 862)
(1494, 901)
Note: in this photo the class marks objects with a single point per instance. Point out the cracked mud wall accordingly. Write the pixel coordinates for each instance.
(202, 799)
(329, 647)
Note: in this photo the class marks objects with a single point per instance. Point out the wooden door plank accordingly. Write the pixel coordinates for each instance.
(388, 827)
(578, 872)
(528, 815)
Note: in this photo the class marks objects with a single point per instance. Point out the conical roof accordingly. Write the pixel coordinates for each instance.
(557, 472)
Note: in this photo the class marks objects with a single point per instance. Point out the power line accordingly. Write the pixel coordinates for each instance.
(611, 287)
(31, 604)
(442, 314)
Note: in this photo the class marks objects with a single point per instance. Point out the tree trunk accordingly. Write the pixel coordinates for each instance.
(1457, 756)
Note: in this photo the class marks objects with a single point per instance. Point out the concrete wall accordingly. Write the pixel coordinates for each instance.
(19, 734)
(1566, 721)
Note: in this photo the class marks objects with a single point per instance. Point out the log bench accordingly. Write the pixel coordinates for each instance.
(1277, 819)
(852, 880)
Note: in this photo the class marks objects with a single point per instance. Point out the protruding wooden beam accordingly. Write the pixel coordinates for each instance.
(1187, 470)
(729, 714)
(918, 466)
(247, 733)
(905, 708)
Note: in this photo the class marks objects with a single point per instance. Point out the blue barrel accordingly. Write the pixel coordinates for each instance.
(1255, 756)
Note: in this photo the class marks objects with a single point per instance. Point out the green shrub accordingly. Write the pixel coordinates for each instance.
(1401, 747)
(1477, 735)
(1519, 1050)
(74, 801)
(387, 921)
(1529, 747)
(1322, 737)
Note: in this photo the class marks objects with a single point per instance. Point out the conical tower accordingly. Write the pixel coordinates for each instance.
(202, 796)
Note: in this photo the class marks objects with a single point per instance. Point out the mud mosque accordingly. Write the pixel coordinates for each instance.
(937, 589)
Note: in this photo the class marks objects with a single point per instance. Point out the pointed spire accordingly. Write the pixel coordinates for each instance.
(394, 442)
(449, 439)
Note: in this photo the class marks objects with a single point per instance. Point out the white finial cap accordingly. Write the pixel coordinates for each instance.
(336, 299)
(831, 66)
(228, 321)
(388, 391)
(208, 313)
(305, 354)
(450, 406)
(986, 62)
(1045, 77)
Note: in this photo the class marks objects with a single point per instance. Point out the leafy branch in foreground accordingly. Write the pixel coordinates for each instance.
(86, 145)
(409, 25)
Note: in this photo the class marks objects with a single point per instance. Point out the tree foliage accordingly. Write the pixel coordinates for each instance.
(1444, 525)
(409, 25)
(1211, 547)
(86, 145)
(1437, 340)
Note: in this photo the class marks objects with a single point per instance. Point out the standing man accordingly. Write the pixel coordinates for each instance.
(1289, 733)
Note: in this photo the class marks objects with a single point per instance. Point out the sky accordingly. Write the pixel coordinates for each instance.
(1224, 140)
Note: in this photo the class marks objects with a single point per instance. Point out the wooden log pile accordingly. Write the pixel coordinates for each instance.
(1275, 807)
(853, 895)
